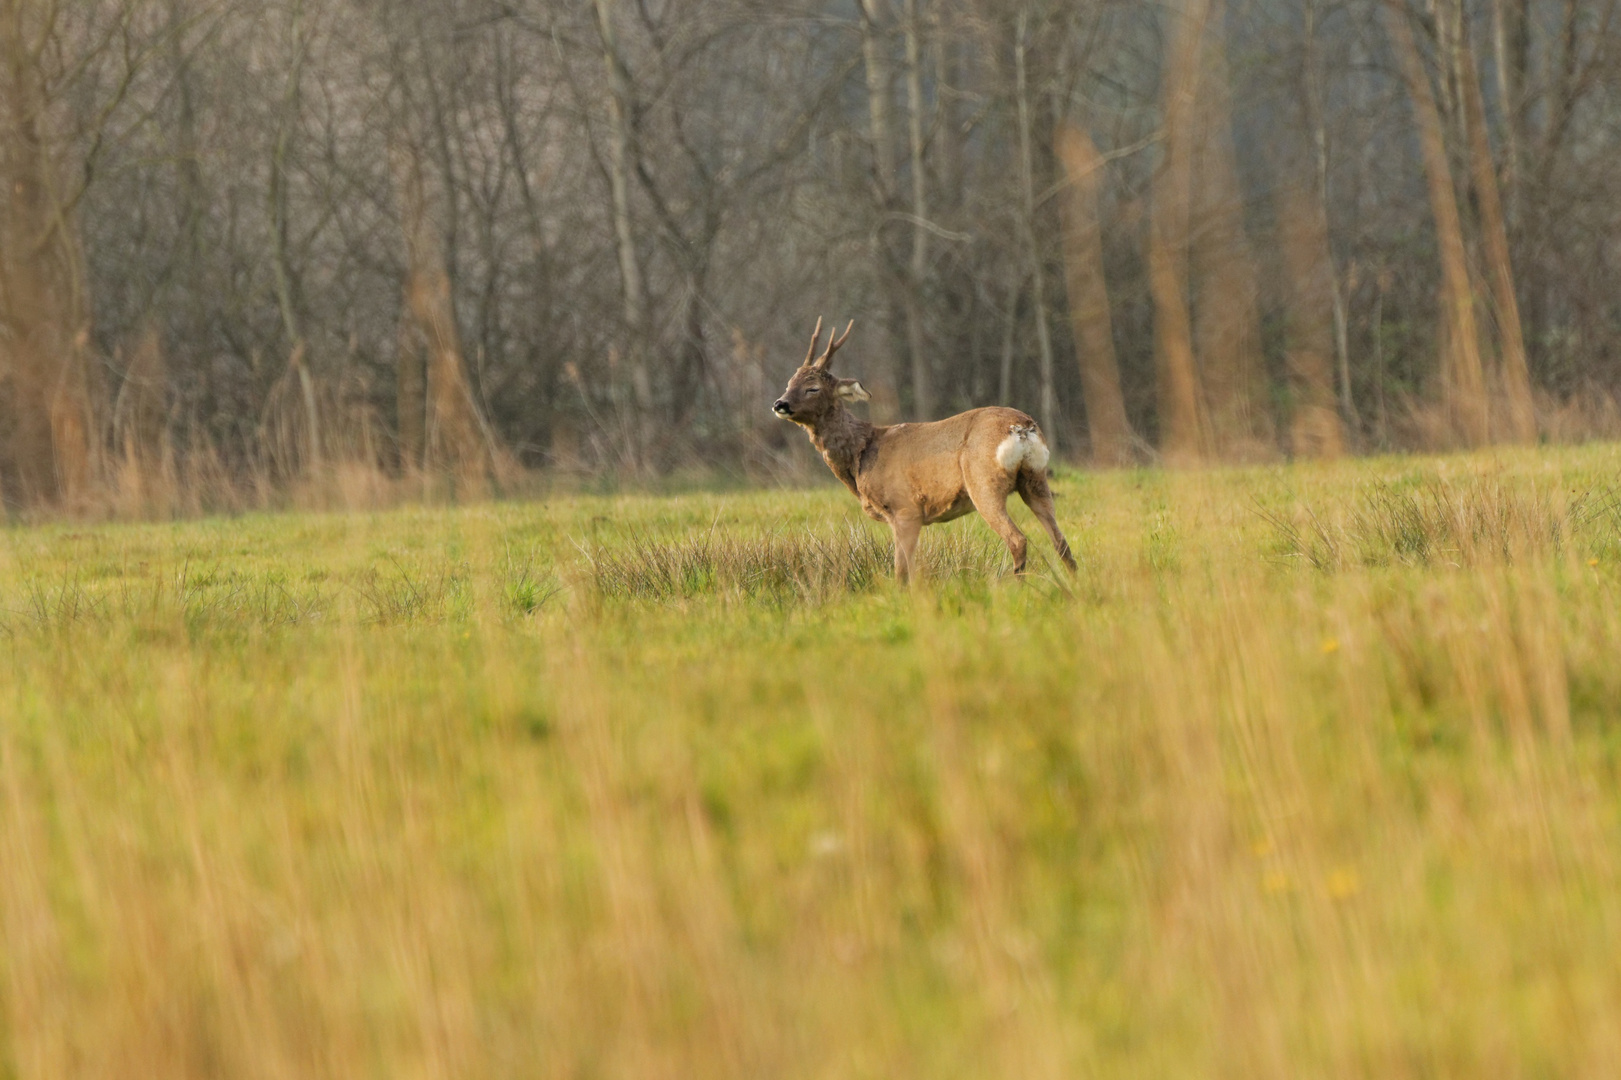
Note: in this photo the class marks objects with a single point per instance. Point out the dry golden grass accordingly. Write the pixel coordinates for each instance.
(1310, 772)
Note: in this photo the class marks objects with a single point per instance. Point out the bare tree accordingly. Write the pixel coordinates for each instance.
(1519, 423)
(1024, 107)
(922, 389)
(1183, 425)
(1511, 54)
(451, 435)
(621, 163)
(1312, 103)
(1089, 298)
(1463, 387)
(63, 72)
(1226, 325)
(1314, 425)
(876, 60)
(279, 213)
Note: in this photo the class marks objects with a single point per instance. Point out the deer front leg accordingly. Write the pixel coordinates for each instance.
(906, 528)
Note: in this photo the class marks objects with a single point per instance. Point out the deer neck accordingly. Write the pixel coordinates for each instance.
(841, 437)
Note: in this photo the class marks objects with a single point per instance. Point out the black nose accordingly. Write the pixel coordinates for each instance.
(781, 407)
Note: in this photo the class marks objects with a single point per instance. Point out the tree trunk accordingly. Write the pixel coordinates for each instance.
(1547, 127)
(1511, 49)
(1317, 122)
(280, 264)
(139, 417)
(1463, 390)
(191, 326)
(141, 409)
(1519, 422)
(453, 437)
(1010, 329)
(620, 163)
(949, 75)
(880, 79)
(411, 393)
(45, 380)
(1089, 298)
(1048, 408)
(1227, 323)
(922, 390)
(1314, 426)
(1181, 415)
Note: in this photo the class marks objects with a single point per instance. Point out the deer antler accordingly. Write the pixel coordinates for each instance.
(811, 352)
(832, 344)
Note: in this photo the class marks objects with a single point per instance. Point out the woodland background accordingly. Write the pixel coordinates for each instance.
(247, 244)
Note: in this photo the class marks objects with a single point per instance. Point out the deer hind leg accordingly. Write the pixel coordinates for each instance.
(906, 528)
(991, 502)
(1038, 497)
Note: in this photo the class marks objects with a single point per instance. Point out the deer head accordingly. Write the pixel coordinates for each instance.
(814, 393)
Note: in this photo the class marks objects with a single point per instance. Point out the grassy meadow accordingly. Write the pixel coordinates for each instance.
(1311, 771)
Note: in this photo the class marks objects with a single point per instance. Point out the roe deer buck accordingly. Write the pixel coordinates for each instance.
(912, 475)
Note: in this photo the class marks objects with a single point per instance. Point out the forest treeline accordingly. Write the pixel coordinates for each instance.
(245, 242)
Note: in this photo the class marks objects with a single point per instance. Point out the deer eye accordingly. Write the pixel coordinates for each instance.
(813, 389)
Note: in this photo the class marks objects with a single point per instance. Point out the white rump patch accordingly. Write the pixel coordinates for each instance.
(1023, 446)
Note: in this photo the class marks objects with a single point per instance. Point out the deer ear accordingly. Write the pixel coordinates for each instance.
(852, 390)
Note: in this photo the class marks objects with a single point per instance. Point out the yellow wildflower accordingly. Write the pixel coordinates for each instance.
(1343, 882)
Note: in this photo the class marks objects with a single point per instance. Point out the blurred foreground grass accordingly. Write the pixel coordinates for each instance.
(1312, 771)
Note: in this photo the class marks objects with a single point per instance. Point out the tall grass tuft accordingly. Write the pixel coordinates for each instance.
(1437, 521)
(773, 568)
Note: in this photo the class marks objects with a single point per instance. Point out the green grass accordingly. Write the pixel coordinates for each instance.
(1310, 771)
